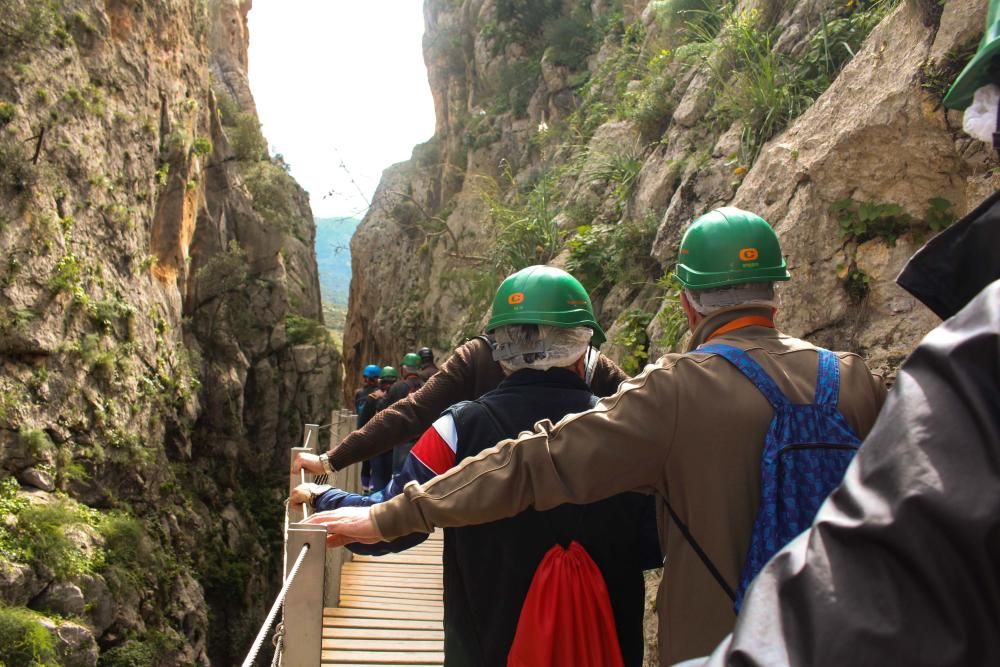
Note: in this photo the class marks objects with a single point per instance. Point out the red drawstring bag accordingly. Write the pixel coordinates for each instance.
(566, 620)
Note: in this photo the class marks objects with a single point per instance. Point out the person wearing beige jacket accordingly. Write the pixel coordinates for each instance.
(689, 429)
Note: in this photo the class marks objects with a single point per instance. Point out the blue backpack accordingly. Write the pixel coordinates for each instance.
(806, 452)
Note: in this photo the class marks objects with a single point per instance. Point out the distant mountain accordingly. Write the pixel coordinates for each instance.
(333, 256)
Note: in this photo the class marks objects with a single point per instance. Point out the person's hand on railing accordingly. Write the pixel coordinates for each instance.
(347, 525)
(304, 493)
(309, 462)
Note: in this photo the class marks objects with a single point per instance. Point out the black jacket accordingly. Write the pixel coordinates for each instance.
(488, 568)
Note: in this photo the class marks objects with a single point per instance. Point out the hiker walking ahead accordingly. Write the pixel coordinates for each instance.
(410, 382)
(690, 428)
(427, 366)
(543, 338)
(468, 374)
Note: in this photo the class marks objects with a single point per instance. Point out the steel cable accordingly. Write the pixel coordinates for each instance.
(255, 649)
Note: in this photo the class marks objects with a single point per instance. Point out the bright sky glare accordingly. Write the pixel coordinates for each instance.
(340, 81)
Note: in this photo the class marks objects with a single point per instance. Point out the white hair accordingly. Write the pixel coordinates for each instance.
(539, 346)
(707, 301)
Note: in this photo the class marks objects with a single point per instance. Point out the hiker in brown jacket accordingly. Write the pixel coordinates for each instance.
(468, 374)
(689, 429)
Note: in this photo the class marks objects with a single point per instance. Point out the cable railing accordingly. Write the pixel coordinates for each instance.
(311, 576)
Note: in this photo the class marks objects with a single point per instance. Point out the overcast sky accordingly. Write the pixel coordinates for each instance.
(340, 81)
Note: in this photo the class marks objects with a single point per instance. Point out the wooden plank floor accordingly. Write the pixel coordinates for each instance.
(390, 611)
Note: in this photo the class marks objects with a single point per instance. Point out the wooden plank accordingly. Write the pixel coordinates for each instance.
(390, 593)
(394, 569)
(386, 623)
(372, 664)
(391, 582)
(389, 605)
(384, 657)
(382, 633)
(427, 588)
(400, 560)
(383, 644)
(422, 615)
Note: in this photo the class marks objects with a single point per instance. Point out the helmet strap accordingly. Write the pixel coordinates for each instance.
(590, 365)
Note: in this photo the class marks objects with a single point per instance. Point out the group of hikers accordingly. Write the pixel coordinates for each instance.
(381, 387)
(801, 516)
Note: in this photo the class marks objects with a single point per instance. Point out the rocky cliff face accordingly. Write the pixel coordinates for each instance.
(590, 134)
(159, 333)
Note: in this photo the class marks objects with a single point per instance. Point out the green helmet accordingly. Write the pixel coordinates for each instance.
(411, 359)
(980, 70)
(544, 295)
(729, 246)
(388, 373)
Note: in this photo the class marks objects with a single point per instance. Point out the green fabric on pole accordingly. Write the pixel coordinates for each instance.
(980, 70)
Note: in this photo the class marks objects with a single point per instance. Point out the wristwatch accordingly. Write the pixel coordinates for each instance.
(324, 460)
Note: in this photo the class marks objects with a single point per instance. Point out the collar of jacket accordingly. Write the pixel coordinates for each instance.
(554, 377)
(721, 318)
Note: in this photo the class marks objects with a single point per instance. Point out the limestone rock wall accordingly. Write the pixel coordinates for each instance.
(591, 134)
(158, 345)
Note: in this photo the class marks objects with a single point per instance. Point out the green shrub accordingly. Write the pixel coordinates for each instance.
(24, 641)
(304, 331)
(6, 113)
(857, 284)
(764, 89)
(651, 105)
(67, 273)
(225, 271)
(36, 534)
(633, 338)
(940, 214)
(605, 255)
(125, 541)
(523, 225)
(28, 23)
(272, 189)
(620, 170)
(516, 83)
(865, 220)
(671, 319)
(245, 137)
(571, 39)
(148, 650)
(201, 146)
(36, 441)
(936, 77)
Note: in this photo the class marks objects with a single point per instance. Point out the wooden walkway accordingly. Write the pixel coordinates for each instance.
(390, 610)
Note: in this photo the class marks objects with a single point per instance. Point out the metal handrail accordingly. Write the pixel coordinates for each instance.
(255, 649)
(298, 533)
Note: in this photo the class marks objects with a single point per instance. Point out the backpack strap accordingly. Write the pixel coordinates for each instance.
(701, 554)
(827, 378)
(752, 370)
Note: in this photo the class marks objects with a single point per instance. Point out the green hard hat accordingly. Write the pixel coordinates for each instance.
(388, 373)
(980, 71)
(729, 246)
(411, 359)
(544, 295)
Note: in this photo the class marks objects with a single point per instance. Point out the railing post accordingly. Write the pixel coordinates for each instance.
(341, 424)
(310, 441)
(303, 610)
